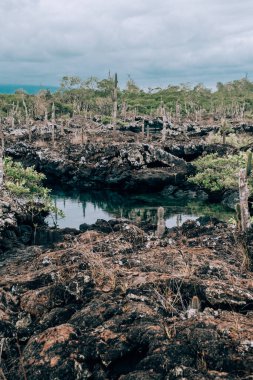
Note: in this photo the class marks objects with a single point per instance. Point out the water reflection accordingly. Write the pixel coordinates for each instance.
(89, 206)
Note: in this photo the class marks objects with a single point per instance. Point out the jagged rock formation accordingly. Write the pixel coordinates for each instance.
(113, 303)
(132, 167)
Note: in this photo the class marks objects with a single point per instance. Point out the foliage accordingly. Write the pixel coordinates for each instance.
(216, 173)
(237, 140)
(233, 100)
(106, 120)
(25, 184)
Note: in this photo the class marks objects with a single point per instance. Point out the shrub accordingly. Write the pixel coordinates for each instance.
(219, 173)
(25, 185)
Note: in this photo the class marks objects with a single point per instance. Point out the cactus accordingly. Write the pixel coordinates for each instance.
(148, 133)
(160, 222)
(194, 307)
(53, 114)
(115, 102)
(244, 196)
(46, 116)
(195, 303)
(26, 111)
(143, 129)
(160, 213)
(164, 118)
(164, 133)
(223, 130)
(238, 216)
(242, 210)
(249, 164)
(2, 135)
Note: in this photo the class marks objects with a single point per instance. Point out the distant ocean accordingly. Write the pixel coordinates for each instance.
(30, 89)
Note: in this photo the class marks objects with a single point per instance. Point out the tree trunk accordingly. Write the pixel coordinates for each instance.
(243, 196)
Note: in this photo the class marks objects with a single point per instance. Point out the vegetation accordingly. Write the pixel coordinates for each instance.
(237, 140)
(220, 173)
(95, 97)
(25, 184)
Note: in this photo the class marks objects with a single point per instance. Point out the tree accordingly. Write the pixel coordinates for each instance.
(68, 83)
(131, 86)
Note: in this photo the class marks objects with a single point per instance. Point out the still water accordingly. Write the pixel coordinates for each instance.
(87, 207)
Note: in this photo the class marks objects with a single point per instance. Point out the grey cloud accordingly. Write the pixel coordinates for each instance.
(157, 42)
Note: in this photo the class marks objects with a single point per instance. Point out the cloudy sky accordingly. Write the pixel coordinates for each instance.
(157, 42)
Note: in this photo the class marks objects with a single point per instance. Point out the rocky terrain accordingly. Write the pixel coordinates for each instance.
(119, 300)
(98, 158)
(131, 167)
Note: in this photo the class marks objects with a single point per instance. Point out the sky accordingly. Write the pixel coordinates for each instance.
(156, 42)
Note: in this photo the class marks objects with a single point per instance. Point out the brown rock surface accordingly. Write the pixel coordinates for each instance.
(118, 305)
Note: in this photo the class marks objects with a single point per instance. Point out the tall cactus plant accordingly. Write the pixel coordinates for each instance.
(115, 102)
(249, 164)
(164, 118)
(160, 222)
(53, 114)
(2, 135)
(53, 123)
(26, 111)
(244, 193)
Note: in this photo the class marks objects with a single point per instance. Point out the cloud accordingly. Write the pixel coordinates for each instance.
(156, 41)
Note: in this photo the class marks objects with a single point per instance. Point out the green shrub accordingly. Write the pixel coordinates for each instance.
(25, 185)
(219, 173)
(106, 120)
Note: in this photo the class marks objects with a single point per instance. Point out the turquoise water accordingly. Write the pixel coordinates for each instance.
(87, 207)
(30, 89)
